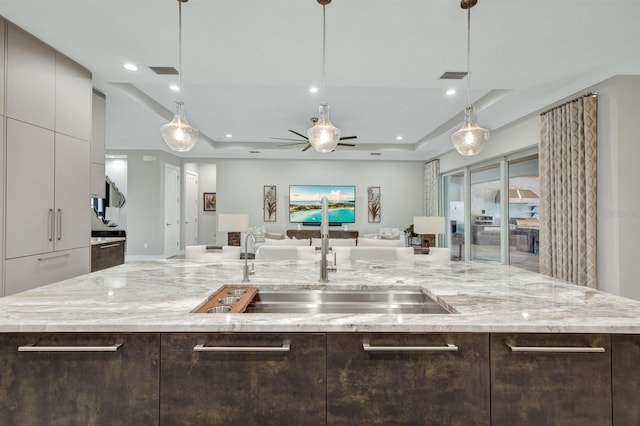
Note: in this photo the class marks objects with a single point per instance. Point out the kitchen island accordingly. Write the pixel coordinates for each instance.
(517, 348)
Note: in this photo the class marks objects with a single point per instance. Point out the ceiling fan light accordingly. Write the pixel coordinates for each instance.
(178, 134)
(323, 136)
(470, 138)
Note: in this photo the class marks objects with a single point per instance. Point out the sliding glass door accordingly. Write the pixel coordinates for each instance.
(485, 213)
(498, 202)
(524, 213)
(454, 213)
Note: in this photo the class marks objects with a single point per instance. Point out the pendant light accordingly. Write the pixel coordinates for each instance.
(323, 136)
(470, 138)
(178, 133)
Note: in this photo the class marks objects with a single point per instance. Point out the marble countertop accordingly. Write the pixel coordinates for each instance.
(105, 240)
(159, 295)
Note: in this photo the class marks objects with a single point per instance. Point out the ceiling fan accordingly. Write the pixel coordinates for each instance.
(306, 139)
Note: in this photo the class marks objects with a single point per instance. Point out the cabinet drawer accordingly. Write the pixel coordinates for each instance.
(408, 379)
(551, 379)
(107, 255)
(79, 379)
(251, 379)
(626, 379)
(28, 272)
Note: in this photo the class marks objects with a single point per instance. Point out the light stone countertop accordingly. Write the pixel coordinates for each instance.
(105, 240)
(159, 295)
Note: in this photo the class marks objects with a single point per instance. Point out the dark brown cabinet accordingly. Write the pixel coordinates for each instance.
(551, 379)
(625, 360)
(91, 379)
(107, 255)
(408, 379)
(249, 379)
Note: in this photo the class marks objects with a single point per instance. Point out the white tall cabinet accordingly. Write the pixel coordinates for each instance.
(47, 224)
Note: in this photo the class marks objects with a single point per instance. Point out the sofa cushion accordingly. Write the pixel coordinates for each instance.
(378, 242)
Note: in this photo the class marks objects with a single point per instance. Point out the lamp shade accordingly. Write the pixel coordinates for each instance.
(428, 224)
(178, 133)
(470, 138)
(324, 136)
(233, 222)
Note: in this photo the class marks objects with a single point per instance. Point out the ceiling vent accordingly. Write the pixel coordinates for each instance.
(164, 70)
(453, 75)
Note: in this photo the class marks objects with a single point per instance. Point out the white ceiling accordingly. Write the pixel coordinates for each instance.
(248, 65)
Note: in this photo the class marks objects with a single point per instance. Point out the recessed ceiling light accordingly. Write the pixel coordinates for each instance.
(451, 92)
(399, 138)
(313, 89)
(174, 87)
(131, 67)
(228, 135)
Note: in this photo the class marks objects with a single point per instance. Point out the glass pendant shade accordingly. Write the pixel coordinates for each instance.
(178, 133)
(470, 138)
(324, 136)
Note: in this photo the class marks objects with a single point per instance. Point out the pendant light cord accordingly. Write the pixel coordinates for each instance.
(469, 56)
(180, 50)
(324, 42)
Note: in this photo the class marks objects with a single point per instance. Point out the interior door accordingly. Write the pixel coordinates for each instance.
(171, 210)
(191, 209)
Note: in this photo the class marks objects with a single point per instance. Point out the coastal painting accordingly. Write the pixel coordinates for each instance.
(305, 203)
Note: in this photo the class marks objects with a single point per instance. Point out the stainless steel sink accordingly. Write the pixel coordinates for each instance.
(395, 301)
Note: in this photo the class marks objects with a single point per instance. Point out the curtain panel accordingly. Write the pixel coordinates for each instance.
(568, 175)
(432, 188)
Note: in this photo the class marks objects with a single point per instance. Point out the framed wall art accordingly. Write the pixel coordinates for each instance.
(270, 203)
(209, 202)
(373, 196)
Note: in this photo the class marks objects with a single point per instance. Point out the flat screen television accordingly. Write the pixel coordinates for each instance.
(305, 203)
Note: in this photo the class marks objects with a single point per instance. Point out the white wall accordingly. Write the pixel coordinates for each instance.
(618, 195)
(240, 188)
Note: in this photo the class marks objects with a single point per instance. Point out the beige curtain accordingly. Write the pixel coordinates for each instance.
(432, 188)
(568, 172)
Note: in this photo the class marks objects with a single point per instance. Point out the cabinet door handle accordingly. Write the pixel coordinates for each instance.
(448, 348)
(556, 349)
(59, 214)
(33, 348)
(40, 259)
(286, 347)
(50, 230)
(109, 246)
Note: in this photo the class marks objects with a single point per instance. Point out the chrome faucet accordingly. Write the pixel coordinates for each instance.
(246, 271)
(324, 243)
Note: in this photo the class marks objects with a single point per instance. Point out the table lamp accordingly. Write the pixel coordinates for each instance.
(234, 224)
(428, 225)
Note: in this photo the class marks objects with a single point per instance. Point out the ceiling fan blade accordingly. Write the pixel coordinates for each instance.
(344, 138)
(290, 144)
(306, 147)
(299, 134)
(346, 144)
(288, 139)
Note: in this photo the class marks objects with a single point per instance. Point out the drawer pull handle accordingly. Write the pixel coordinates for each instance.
(555, 349)
(448, 348)
(109, 246)
(286, 347)
(40, 259)
(33, 348)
